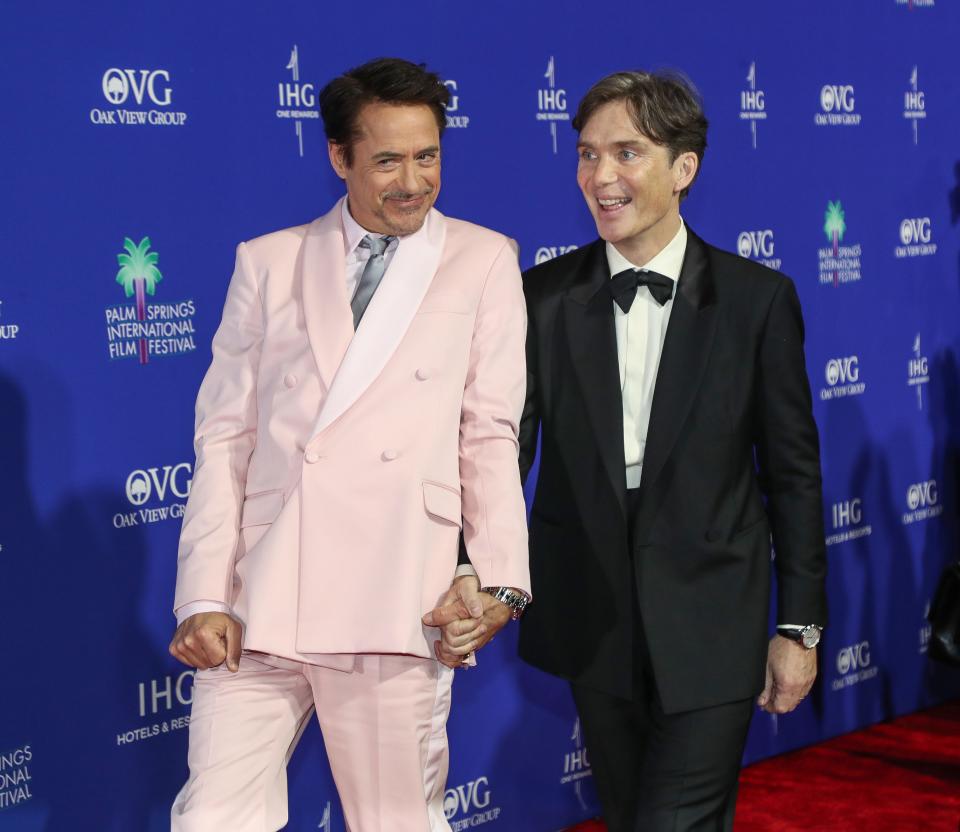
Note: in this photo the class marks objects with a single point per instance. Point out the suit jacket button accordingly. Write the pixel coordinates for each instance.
(422, 374)
(311, 457)
(290, 380)
(389, 455)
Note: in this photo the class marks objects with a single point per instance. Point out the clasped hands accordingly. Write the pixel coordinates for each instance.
(467, 618)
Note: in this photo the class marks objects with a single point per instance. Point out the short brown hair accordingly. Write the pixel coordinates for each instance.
(387, 80)
(665, 107)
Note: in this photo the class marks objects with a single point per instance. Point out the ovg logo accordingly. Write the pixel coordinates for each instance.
(8, 331)
(545, 253)
(141, 329)
(923, 502)
(837, 106)
(297, 100)
(916, 238)
(758, 246)
(838, 263)
(169, 484)
(552, 102)
(137, 88)
(854, 665)
(144, 484)
(472, 800)
(842, 375)
(455, 118)
(753, 104)
(918, 371)
(914, 105)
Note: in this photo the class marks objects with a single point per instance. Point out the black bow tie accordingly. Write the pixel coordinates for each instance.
(623, 287)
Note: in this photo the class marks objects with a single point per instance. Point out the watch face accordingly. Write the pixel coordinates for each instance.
(811, 637)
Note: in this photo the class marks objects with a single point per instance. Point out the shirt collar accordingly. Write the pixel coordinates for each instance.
(353, 232)
(668, 261)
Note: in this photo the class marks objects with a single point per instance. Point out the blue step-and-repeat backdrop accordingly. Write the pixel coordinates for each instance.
(177, 130)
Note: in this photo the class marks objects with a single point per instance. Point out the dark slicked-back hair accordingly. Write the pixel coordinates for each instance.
(664, 106)
(387, 80)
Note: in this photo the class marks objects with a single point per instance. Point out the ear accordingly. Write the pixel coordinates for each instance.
(684, 169)
(337, 153)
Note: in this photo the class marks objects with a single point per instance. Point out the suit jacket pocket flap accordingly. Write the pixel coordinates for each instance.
(442, 501)
(260, 509)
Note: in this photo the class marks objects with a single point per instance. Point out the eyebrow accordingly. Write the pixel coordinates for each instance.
(639, 142)
(392, 154)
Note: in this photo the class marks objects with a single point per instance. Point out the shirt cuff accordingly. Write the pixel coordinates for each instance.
(195, 607)
(465, 569)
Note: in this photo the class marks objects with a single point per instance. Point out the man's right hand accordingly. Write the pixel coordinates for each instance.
(207, 639)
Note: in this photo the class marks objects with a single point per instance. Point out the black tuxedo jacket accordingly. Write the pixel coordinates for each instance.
(732, 457)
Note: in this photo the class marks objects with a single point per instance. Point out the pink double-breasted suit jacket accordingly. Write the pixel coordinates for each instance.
(335, 469)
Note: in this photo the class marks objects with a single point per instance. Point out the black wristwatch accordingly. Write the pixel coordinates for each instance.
(808, 636)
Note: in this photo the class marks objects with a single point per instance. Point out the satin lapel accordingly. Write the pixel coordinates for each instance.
(592, 338)
(326, 307)
(686, 350)
(387, 318)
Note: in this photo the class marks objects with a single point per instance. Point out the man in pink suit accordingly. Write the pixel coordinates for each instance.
(361, 410)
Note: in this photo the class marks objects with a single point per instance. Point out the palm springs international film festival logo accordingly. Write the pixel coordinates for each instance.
(918, 371)
(914, 105)
(758, 246)
(15, 776)
(837, 106)
(297, 100)
(552, 102)
(470, 804)
(838, 263)
(753, 103)
(138, 97)
(140, 329)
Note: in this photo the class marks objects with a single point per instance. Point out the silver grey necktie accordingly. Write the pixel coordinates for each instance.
(371, 277)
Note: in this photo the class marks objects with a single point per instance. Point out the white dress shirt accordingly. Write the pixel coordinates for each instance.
(640, 336)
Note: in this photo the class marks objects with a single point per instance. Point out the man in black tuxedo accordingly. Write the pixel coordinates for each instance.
(667, 380)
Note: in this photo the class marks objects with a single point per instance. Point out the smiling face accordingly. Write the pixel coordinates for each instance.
(394, 178)
(630, 184)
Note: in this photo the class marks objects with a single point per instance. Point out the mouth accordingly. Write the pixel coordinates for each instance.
(612, 205)
(407, 201)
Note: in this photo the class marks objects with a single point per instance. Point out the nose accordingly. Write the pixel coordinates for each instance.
(408, 179)
(605, 171)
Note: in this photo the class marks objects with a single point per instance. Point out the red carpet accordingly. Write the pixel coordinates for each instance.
(894, 777)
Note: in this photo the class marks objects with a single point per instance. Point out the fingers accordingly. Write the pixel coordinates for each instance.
(764, 698)
(449, 659)
(201, 647)
(232, 644)
(446, 614)
(470, 595)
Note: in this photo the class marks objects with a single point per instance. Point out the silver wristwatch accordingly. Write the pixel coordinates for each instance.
(808, 636)
(517, 601)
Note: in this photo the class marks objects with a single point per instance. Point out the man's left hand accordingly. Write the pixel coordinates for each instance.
(791, 669)
(461, 632)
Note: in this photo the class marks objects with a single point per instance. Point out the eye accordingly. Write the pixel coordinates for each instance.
(386, 164)
(628, 155)
(428, 158)
(587, 155)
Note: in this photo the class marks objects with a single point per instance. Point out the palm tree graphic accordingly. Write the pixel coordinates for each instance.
(834, 227)
(139, 275)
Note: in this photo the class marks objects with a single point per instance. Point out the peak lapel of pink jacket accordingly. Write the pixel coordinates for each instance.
(387, 318)
(326, 307)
